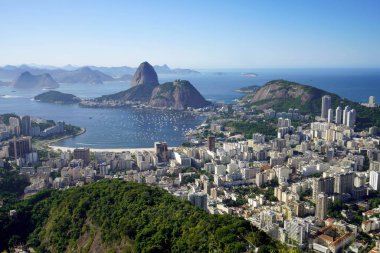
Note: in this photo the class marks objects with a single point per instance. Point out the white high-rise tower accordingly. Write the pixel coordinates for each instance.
(338, 115)
(326, 105)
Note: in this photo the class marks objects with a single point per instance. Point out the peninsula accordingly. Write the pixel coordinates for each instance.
(147, 92)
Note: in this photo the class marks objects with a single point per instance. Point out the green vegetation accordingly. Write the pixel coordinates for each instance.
(57, 97)
(44, 125)
(248, 89)
(5, 117)
(234, 203)
(129, 217)
(12, 186)
(248, 128)
(252, 191)
(11, 182)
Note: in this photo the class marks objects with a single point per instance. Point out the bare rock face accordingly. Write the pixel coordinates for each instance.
(28, 81)
(179, 94)
(145, 74)
(277, 89)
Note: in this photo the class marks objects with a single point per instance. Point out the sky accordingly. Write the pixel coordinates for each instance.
(192, 33)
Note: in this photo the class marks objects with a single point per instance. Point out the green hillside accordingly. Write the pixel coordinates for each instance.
(116, 216)
(57, 97)
(281, 95)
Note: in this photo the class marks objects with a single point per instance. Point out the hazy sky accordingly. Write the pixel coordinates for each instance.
(194, 34)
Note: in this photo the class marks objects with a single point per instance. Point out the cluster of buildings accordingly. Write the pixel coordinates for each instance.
(17, 134)
(346, 116)
(371, 102)
(295, 187)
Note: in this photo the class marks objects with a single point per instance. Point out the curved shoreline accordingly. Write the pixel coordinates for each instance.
(112, 150)
(48, 143)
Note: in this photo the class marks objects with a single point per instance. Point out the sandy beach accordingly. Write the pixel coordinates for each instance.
(114, 150)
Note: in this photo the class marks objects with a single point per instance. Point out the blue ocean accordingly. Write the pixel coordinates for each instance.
(139, 128)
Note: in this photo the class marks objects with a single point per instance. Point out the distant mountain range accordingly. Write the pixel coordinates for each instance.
(89, 74)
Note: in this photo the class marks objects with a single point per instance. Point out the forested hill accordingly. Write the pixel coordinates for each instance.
(116, 216)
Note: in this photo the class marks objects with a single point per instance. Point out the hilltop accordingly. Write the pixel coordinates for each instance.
(57, 97)
(179, 94)
(116, 216)
(28, 81)
(281, 95)
(145, 74)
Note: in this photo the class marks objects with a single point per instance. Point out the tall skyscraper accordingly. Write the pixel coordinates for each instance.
(322, 205)
(211, 143)
(14, 124)
(326, 105)
(371, 101)
(330, 116)
(26, 124)
(374, 180)
(338, 115)
(346, 110)
(351, 118)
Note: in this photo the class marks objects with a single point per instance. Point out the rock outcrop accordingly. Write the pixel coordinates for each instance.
(179, 94)
(145, 74)
(281, 95)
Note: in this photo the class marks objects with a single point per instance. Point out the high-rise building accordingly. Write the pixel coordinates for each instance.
(326, 105)
(199, 199)
(162, 151)
(14, 124)
(296, 230)
(351, 118)
(330, 116)
(344, 182)
(374, 180)
(346, 110)
(26, 124)
(211, 143)
(325, 185)
(371, 101)
(338, 115)
(82, 153)
(321, 207)
(20, 147)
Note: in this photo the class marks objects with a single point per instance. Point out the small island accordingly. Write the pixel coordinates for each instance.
(57, 98)
(249, 74)
(249, 89)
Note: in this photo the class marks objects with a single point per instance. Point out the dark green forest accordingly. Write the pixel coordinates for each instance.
(124, 217)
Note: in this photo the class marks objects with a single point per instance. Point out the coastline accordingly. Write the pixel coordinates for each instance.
(48, 143)
(112, 150)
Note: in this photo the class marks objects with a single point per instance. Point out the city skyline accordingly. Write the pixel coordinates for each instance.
(243, 34)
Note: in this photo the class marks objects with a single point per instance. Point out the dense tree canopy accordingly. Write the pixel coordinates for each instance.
(134, 217)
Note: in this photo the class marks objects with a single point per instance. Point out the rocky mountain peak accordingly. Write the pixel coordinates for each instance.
(145, 74)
